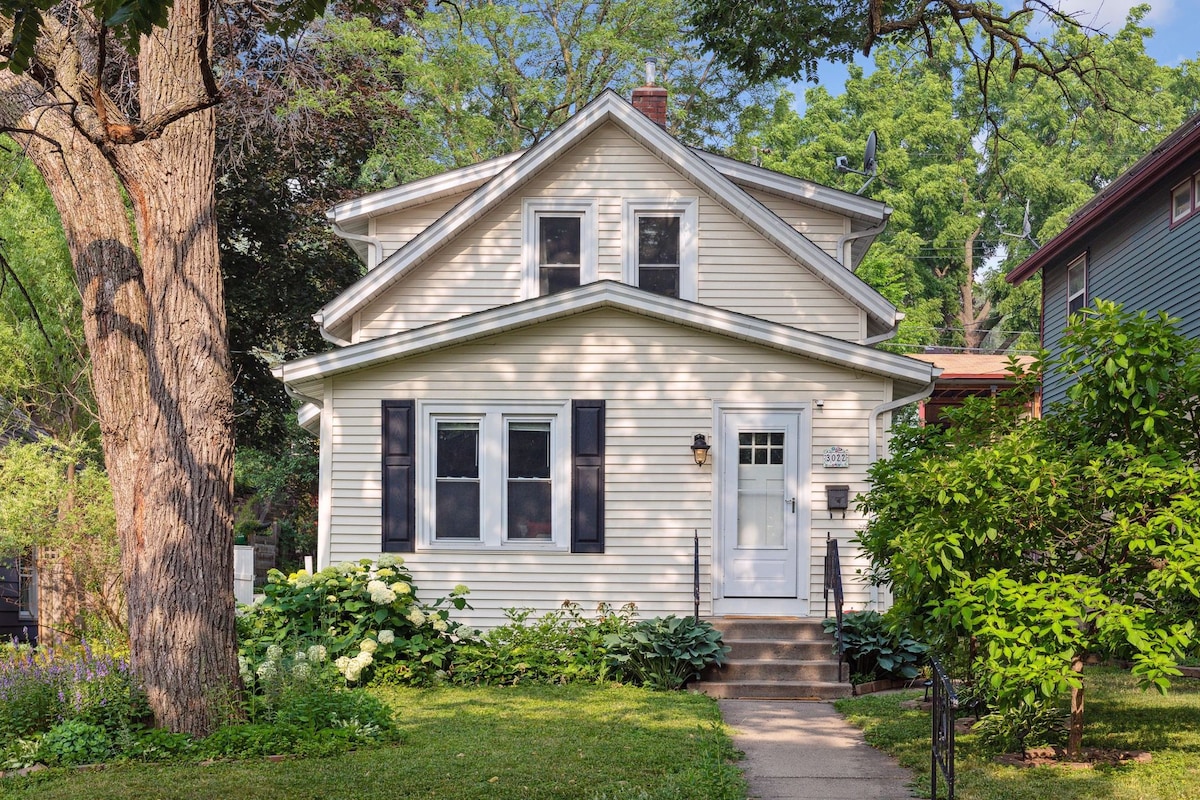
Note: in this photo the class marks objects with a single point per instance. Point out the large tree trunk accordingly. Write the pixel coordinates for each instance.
(154, 318)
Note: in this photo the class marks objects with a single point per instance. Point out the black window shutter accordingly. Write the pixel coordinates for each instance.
(399, 439)
(587, 476)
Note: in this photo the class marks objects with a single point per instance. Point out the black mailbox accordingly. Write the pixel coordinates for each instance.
(837, 498)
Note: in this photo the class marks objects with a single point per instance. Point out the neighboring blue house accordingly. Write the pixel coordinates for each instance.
(1136, 243)
(18, 578)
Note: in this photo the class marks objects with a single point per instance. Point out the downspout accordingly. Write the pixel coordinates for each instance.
(361, 237)
(326, 335)
(873, 418)
(888, 334)
(845, 239)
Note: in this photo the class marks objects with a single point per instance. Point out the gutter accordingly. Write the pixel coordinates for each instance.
(873, 418)
(888, 334)
(326, 335)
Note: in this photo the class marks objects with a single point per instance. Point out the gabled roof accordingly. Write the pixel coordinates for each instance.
(1169, 155)
(306, 375)
(510, 177)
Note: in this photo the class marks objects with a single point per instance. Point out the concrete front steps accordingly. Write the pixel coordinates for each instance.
(775, 659)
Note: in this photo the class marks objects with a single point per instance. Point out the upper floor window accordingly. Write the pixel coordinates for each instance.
(660, 247)
(1183, 201)
(560, 245)
(1077, 284)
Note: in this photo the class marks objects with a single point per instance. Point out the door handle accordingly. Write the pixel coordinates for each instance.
(793, 502)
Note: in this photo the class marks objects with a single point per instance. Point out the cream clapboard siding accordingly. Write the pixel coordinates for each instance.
(482, 267)
(655, 495)
(398, 228)
(822, 227)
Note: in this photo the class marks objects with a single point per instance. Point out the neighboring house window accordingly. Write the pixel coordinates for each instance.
(660, 247)
(499, 475)
(1076, 285)
(26, 587)
(1182, 201)
(560, 245)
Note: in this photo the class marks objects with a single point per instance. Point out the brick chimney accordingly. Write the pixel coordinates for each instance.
(651, 100)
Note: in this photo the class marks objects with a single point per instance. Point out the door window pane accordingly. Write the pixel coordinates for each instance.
(528, 480)
(761, 488)
(457, 483)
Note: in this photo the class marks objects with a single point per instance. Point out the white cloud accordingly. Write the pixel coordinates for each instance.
(1109, 15)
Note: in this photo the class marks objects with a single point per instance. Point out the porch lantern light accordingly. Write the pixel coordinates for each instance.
(700, 449)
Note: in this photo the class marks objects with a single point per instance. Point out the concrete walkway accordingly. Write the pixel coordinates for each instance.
(797, 750)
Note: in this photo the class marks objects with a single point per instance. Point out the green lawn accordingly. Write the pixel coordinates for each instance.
(532, 743)
(1118, 715)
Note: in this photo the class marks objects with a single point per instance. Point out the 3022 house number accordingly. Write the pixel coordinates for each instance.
(837, 458)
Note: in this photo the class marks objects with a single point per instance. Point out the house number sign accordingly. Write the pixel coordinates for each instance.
(837, 458)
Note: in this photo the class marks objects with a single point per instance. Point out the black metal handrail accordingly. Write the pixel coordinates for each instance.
(833, 583)
(945, 704)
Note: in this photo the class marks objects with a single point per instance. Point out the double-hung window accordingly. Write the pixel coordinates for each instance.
(660, 246)
(560, 245)
(498, 475)
(1182, 201)
(1077, 284)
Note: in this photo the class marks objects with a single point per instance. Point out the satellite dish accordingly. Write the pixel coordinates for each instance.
(869, 165)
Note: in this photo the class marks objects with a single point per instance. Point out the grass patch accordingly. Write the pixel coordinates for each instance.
(1119, 715)
(531, 743)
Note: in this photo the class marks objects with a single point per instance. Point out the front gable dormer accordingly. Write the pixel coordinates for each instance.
(610, 196)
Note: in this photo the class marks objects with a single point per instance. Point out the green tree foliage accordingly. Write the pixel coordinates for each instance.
(52, 502)
(963, 171)
(43, 366)
(1029, 545)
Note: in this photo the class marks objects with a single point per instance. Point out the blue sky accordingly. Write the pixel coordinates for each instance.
(1176, 25)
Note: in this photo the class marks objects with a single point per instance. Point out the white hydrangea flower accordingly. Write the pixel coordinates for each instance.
(300, 656)
(389, 560)
(302, 670)
(460, 589)
(317, 653)
(401, 588)
(300, 579)
(387, 637)
(346, 567)
(267, 670)
(416, 617)
(274, 652)
(342, 664)
(380, 594)
(385, 572)
(440, 625)
(368, 646)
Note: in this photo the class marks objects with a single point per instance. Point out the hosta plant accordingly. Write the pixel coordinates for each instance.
(666, 652)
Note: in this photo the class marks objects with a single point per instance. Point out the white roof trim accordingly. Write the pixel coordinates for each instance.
(309, 418)
(608, 106)
(798, 189)
(419, 191)
(306, 373)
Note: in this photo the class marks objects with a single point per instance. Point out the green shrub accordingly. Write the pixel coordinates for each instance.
(874, 651)
(75, 742)
(351, 709)
(666, 652)
(156, 744)
(1020, 727)
(562, 646)
(363, 614)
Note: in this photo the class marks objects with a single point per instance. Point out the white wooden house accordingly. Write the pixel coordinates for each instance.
(538, 340)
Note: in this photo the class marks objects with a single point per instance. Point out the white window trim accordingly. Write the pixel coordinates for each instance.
(686, 209)
(534, 207)
(493, 441)
(1081, 262)
(1190, 186)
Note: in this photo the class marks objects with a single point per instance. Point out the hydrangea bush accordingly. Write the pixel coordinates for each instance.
(343, 622)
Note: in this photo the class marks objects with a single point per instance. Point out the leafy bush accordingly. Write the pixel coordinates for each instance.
(353, 709)
(42, 686)
(363, 614)
(1020, 727)
(666, 652)
(563, 646)
(75, 742)
(876, 652)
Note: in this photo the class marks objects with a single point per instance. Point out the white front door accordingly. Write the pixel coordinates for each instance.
(764, 507)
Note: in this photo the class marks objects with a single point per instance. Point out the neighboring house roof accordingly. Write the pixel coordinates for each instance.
(511, 175)
(972, 365)
(306, 375)
(1169, 155)
(16, 426)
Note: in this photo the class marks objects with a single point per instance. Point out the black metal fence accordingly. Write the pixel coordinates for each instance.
(945, 706)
